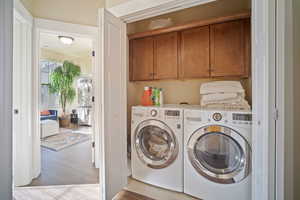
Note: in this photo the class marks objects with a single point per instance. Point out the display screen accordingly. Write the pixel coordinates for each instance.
(242, 117)
(173, 113)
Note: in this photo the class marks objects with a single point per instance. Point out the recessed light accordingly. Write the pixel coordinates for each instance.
(66, 39)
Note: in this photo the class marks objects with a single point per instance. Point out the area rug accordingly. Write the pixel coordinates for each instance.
(63, 140)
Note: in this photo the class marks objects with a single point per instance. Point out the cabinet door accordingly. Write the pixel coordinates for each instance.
(228, 49)
(194, 53)
(141, 59)
(166, 56)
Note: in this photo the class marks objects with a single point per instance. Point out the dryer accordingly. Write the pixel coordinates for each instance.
(217, 155)
(157, 144)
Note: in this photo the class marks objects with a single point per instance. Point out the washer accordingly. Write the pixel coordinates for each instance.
(217, 155)
(157, 146)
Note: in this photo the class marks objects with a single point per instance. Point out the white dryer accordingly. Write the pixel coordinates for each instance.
(157, 144)
(217, 155)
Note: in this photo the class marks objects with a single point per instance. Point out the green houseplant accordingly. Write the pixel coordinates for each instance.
(61, 83)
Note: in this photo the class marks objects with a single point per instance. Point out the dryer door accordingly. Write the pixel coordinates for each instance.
(220, 154)
(155, 144)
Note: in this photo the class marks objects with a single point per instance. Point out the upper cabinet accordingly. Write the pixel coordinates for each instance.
(228, 49)
(211, 48)
(141, 59)
(166, 56)
(194, 53)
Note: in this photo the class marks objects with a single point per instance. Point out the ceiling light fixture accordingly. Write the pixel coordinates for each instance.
(66, 39)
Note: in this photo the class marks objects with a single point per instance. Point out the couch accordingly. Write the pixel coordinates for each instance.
(49, 115)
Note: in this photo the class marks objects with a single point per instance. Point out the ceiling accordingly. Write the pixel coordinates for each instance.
(80, 47)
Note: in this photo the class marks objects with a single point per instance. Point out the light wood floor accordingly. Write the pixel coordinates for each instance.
(72, 165)
(127, 195)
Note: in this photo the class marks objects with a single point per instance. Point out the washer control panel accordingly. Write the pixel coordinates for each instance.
(217, 116)
(241, 117)
(172, 113)
(153, 113)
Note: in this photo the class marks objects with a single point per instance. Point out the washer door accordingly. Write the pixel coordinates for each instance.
(155, 144)
(220, 154)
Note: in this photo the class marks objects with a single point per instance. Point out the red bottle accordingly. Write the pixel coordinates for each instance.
(146, 98)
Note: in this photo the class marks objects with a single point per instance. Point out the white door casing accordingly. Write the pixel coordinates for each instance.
(263, 99)
(135, 10)
(6, 68)
(113, 43)
(22, 93)
(74, 30)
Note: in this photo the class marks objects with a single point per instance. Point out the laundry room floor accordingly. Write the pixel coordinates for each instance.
(155, 192)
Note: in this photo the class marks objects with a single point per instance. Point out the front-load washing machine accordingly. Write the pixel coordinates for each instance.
(157, 144)
(217, 154)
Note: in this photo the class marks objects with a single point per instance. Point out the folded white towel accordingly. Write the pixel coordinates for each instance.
(242, 105)
(237, 100)
(216, 97)
(221, 87)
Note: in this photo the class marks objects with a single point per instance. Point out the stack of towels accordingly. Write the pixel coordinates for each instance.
(223, 95)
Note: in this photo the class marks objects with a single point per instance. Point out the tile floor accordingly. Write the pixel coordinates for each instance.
(66, 192)
(155, 192)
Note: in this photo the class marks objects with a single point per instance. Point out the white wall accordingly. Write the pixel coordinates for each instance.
(111, 3)
(6, 33)
(28, 4)
(83, 12)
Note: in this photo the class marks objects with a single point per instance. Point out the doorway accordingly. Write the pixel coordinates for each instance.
(67, 135)
(52, 155)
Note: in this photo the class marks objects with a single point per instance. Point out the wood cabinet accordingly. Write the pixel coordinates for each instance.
(228, 49)
(194, 53)
(166, 56)
(154, 58)
(141, 59)
(221, 49)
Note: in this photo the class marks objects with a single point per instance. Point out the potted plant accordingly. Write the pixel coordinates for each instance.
(61, 83)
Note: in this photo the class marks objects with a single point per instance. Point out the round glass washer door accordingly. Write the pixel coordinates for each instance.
(155, 144)
(220, 154)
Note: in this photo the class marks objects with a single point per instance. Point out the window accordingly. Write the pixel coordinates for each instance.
(47, 100)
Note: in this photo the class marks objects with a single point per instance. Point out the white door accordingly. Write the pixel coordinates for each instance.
(113, 170)
(22, 134)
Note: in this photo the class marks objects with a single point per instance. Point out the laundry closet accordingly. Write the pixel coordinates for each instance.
(189, 55)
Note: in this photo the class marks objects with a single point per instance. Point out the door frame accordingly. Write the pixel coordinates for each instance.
(75, 30)
(285, 101)
(22, 162)
(261, 13)
(263, 90)
(6, 66)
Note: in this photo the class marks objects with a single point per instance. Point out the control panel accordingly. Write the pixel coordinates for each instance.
(172, 113)
(153, 113)
(241, 117)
